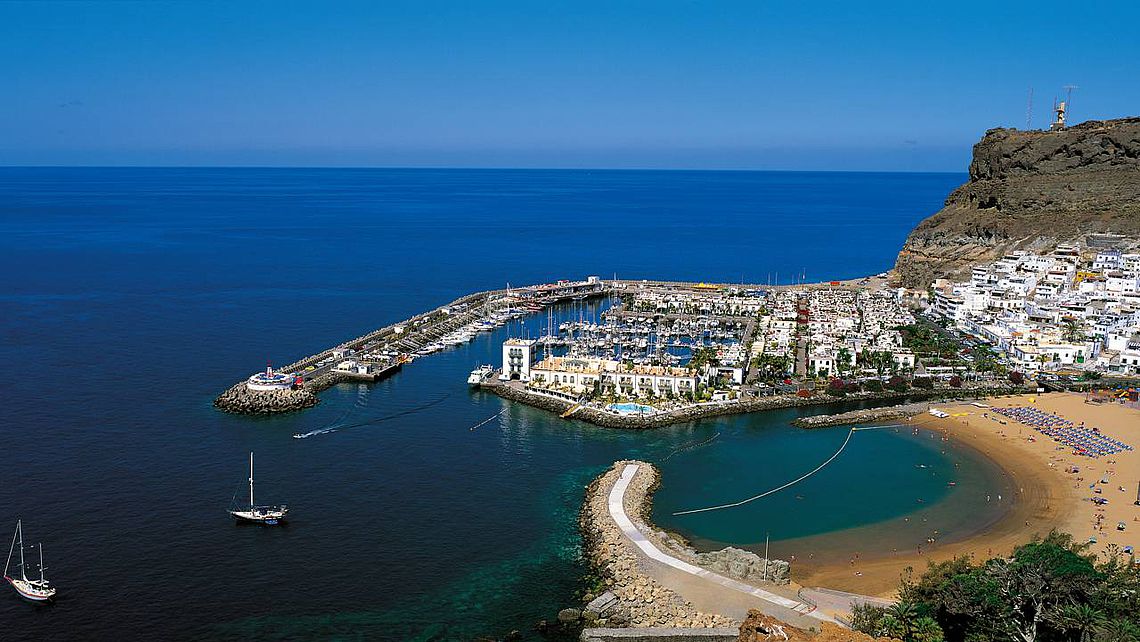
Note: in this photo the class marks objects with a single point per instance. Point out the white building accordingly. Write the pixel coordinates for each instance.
(582, 375)
(269, 381)
(518, 355)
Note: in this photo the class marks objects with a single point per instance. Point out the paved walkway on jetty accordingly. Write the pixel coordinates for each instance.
(708, 591)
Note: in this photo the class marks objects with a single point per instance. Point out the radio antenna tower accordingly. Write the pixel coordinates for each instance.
(1069, 96)
(1029, 110)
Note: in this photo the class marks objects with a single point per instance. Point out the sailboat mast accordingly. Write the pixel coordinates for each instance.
(23, 573)
(251, 480)
(12, 548)
(41, 563)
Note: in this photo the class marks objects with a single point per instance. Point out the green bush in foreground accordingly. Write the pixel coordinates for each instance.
(1049, 590)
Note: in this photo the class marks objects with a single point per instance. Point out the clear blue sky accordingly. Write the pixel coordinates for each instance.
(750, 84)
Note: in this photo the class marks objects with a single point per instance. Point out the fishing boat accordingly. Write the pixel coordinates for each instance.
(33, 590)
(265, 515)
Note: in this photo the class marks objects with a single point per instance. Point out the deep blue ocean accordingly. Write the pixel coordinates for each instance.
(131, 297)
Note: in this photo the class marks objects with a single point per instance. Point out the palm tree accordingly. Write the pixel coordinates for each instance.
(1071, 330)
(1118, 630)
(927, 630)
(901, 618)
(843, 360)
(1083, 619)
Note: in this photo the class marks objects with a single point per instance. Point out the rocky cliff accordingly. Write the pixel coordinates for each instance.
(1032, 190)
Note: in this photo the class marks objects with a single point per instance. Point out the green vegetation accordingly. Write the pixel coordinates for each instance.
(1049, 590)
(1072, 331)
(703, 357)
(843, 360)
(929, 340)
(773, 367)
(881, 361)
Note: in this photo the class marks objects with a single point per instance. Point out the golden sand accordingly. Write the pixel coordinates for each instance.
(1048, 496)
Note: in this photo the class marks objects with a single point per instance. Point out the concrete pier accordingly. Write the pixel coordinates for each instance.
(318, 372)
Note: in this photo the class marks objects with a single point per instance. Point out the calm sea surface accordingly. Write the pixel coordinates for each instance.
(131, 297)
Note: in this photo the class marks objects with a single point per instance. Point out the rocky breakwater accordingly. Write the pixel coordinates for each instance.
(1031, 190)
(855, 417)
(626, 596)
(743, 565)
(241, 400)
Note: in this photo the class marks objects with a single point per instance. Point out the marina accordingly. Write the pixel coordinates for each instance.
(383, 352)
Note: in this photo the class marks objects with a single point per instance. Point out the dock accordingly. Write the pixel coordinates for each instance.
(397, 344)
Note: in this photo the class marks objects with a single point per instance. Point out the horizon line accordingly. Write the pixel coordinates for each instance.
(488, 168)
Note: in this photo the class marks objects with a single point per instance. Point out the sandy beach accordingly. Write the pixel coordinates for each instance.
(1046, 496)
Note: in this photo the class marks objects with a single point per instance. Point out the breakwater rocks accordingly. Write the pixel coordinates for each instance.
(240, 400)
(637, 600)
(607, 419)
(896, 413)
(854, 417)
(745, 565)
(630, 597)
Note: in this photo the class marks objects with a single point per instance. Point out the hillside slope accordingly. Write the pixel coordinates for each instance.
(1031, 190)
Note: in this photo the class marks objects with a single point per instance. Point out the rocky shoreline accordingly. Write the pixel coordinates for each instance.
(605, 419)
(240, 400)
(626, 596)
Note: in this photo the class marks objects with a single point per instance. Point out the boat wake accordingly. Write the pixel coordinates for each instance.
(337, 427)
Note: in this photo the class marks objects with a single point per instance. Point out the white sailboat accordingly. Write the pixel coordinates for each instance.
(35, 590)
(266, 515)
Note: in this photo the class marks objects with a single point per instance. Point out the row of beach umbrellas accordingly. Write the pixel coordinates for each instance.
(1085, 441)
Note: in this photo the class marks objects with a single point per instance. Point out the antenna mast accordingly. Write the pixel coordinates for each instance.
(1029, 110)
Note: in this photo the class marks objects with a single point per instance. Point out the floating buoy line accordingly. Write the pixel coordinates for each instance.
(687, 448)
(791, 483)
(489, 419)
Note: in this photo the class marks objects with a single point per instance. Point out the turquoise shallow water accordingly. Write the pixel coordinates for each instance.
(881, 477)
(134, 296)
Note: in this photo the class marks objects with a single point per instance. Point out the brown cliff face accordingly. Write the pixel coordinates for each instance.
(1031, 190)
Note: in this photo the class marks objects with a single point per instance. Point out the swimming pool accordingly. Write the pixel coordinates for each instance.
(630, 408)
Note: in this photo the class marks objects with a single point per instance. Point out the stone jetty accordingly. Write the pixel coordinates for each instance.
(629, 597)
(634, 598)
(404, 337)
(865, 416)
(240, 400)
(901, 412)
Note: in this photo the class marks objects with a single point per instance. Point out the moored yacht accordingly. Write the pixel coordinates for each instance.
(30, 589)
(265, 515)
(480, 374)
